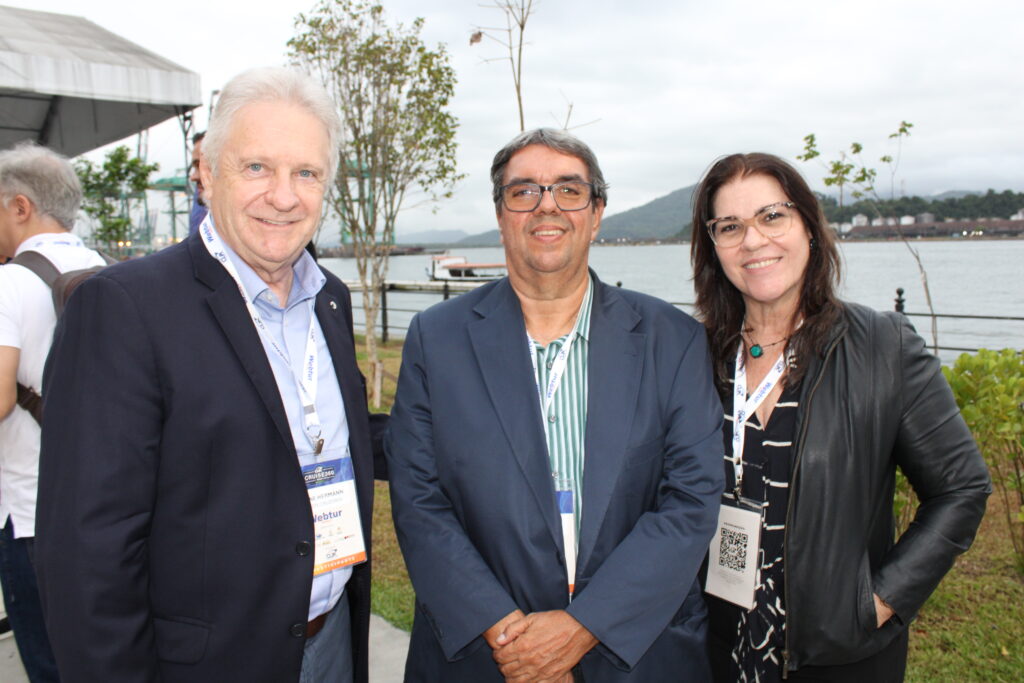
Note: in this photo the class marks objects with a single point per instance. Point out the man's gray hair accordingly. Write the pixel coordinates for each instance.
(272, 84)
(45, 178)
(558, 140)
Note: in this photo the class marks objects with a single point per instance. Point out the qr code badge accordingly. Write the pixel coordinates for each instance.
(732, 552)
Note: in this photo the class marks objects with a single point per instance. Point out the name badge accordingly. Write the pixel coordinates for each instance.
(733, 555)
(332, 495)
(566, 513)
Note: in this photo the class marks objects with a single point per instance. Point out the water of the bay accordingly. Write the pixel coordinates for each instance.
(976, 277)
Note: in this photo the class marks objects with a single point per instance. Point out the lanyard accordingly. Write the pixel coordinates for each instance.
(743, 408)
(307, 379)
(558, 367)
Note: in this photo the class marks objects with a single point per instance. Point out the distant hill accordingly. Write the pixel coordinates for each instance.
(659, 218)
(431, 237)
(491, 238)
(951, 194)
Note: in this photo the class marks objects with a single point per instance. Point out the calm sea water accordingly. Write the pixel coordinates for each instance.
(965, 277)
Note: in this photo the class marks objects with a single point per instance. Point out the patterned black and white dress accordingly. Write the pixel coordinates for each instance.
(756, 639)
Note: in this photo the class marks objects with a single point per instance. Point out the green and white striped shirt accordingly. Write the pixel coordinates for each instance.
(565, 424)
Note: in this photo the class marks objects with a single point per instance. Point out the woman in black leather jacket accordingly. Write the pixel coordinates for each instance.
(832, 398)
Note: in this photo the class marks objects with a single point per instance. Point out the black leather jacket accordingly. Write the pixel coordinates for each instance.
(875, 400)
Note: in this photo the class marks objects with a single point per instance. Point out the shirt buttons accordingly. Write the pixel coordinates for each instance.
(552, 418)
(298, 630)
(302, 548)
(549, 364)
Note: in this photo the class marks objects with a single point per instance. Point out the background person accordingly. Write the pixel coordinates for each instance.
(848, 395)
(40, 195)
(199, 210)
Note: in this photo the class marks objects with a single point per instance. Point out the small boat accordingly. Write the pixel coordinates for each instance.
(456, 268)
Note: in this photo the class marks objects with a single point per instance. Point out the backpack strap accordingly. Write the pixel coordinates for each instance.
(38, 264)
(31, 401)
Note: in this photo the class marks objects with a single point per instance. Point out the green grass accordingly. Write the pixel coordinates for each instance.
(972, 628)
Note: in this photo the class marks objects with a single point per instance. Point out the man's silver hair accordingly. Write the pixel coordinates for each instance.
(45, 178)
(272, 84)
(558, 140)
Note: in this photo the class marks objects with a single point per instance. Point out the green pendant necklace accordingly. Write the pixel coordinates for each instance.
(757, 350)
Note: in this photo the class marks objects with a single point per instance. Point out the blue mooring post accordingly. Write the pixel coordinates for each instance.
(384, 313)
(899, 300)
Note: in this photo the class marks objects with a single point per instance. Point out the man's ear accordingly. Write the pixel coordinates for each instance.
(23, 207)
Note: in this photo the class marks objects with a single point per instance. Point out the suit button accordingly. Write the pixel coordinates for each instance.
(302, 548)
(298, 630)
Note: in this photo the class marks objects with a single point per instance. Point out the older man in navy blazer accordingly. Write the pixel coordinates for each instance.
(207, 469)
(554, 453)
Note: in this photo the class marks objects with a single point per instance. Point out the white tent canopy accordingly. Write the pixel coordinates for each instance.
(73, 86)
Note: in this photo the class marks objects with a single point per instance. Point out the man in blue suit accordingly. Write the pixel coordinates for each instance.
(207, 466)
(554, 452)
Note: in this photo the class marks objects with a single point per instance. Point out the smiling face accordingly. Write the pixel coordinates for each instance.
(547, 244)
(269, 188)
(767, 272)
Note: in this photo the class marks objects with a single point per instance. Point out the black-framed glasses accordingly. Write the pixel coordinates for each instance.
(571, 195)
(772, 221)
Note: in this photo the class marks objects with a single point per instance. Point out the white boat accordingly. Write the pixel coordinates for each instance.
(458, 269)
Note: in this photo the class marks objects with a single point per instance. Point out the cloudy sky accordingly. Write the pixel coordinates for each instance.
(665, 87)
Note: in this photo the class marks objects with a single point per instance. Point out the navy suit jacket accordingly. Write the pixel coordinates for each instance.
(474, 502)
(175, 532)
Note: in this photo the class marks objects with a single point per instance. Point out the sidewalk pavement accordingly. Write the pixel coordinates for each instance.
(388, 646)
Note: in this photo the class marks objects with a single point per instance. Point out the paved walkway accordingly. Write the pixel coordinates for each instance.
(388, 646)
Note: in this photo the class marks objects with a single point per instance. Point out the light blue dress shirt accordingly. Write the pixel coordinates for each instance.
(289, 326)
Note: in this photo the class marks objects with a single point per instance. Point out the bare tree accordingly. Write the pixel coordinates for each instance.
(517, 13)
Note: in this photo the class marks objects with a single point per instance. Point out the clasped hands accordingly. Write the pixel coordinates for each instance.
(541, 647)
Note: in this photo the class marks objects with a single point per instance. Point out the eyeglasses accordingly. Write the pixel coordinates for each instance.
(572, 195)
(772, 221)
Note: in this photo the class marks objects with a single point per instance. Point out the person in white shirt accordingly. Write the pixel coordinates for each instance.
(39, 199)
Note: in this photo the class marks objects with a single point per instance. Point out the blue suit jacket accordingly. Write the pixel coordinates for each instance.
(175, 531)
(474, 503)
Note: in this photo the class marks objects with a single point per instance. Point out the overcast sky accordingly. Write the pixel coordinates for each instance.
(671, 85)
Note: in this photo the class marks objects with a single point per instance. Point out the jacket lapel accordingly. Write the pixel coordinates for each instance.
(499, 343)
(228, 308)
(615, 367)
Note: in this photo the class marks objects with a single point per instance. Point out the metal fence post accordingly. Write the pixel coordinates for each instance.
(446, 292)
(899, 300)
(384, 313)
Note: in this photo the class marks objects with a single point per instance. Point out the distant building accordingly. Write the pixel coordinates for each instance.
(906, 220)
(878, 221)
(926, 217)
(1019, 216)
(891, 220)
(860, 219)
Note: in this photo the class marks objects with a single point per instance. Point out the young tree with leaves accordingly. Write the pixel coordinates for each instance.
(111, 191)
(398, 137)
(863, 181)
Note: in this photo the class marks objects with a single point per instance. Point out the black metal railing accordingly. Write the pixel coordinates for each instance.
(388, 325)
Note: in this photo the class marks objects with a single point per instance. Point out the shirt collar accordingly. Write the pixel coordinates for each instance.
(582, 326)
(583, 319)
(307, 281)
(50, 239)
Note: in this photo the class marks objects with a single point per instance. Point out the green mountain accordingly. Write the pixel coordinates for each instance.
(657, 219)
